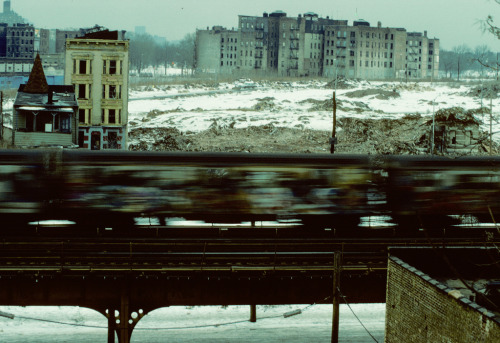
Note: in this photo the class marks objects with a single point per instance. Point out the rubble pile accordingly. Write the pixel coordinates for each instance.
(266, 104)
(405, 86)
(342, 105)
(378, 93)
(343, 83)
(458, 116)
(487, 91)
(158, 139)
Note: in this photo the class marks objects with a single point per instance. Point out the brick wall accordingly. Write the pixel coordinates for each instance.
(420, 309)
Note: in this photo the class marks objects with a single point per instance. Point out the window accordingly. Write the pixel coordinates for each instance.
(84, 116)
(82, 119)
(82, 91)
(112, 67)
(83, 67)
(112, 116)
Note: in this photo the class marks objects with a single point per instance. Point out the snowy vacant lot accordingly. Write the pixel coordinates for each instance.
(223, 108)
(194, 107)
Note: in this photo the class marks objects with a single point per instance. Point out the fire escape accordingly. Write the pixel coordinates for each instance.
(412, 63)
(294, 51)
(259, 46)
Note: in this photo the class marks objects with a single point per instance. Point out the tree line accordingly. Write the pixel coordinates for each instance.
(462, 58)
(146, 51)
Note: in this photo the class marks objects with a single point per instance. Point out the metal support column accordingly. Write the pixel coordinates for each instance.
(336, 285)
(124, 328)
(253, 313)
(111, 325)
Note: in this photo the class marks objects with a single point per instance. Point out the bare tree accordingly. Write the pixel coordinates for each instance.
(481, 53)
(447, 62)
(462, 58)
(489, 25)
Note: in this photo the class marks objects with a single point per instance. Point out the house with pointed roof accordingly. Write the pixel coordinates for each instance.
(44, 115)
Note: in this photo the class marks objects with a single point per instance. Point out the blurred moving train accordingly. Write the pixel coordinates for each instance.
(113, 189)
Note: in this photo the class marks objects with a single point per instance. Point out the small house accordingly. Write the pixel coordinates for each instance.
(455, 130)
(44, 115)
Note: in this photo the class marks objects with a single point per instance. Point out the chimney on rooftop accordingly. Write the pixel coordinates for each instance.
(379, 24)
(425, 33)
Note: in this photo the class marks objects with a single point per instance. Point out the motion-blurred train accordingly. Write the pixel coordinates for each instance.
(114, 190)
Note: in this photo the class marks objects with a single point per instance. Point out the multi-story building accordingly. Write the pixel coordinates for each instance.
(362, 51)
(97, 65)
(216, 50)
(422, 55)
(20, 41)
(308, 45)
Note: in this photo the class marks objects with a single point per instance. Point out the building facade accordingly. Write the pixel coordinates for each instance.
(309, 45)
(216, 50)
(98, 67)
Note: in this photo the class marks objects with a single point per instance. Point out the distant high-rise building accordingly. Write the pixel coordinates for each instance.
(309, 45)
(10, 17)
(97, 66)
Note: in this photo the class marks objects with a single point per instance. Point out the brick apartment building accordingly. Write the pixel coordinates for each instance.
(308, 45)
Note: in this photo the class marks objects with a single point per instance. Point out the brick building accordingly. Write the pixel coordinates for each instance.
(443, 295)
(97, 66)
(308, 45)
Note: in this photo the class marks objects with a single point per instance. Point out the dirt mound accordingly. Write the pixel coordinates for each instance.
(379, 93)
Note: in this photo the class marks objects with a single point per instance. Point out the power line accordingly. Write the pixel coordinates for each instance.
(359, 320)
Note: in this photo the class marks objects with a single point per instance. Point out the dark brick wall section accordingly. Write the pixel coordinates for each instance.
(421, 309)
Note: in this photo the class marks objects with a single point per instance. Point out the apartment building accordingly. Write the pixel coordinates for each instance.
(362, 51)
(308, 45)
(422, 55)
(97, 65)
(216, 50)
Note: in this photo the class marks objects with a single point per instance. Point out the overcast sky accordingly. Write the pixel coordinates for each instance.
(454, 22)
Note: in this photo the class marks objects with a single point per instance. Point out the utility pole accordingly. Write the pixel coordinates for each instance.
(491, 124)
(433, 125)
(333, 139)
(336, 286)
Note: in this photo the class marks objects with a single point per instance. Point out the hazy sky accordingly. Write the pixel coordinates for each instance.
(454, 22)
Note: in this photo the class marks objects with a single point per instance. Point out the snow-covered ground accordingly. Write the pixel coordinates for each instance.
(198, 324)
(194, 107)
